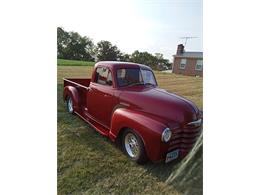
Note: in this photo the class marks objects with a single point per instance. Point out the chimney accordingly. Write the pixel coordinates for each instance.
(180, 49)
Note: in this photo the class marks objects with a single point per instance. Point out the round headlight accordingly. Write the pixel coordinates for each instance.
(166, 135)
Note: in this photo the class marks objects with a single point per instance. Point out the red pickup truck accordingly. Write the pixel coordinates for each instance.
(123, 102)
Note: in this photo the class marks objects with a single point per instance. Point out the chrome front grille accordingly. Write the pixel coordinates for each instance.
(184, 139)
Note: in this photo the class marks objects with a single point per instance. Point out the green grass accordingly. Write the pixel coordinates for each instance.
(89, 163)
(62, 62)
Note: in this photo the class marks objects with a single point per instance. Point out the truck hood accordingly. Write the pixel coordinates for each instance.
(160, 103)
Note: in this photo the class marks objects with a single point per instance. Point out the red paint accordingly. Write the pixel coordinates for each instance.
(148, 110)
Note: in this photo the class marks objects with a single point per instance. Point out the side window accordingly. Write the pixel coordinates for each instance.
(103, 76)
(199, 65)
(183, 63)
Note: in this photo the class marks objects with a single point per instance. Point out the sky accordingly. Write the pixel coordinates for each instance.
(145, 25)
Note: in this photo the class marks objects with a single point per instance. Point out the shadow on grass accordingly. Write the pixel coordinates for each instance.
(185, 175)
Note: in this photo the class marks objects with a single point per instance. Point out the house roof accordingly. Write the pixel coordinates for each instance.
(190, 54)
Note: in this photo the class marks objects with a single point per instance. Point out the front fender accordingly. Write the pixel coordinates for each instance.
(73, 93)
(147, 127)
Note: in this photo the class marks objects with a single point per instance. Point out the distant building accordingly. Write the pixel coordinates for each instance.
(187, 63)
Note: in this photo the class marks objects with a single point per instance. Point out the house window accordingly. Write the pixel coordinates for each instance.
(199, 65)
(183, 63)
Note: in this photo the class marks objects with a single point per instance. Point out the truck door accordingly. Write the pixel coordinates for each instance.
(101, 100)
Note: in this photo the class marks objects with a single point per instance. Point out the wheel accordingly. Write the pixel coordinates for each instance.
(70, 105)
(133, 146)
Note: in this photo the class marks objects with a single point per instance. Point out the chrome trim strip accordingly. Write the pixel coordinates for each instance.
(195, 123)
(124, 104)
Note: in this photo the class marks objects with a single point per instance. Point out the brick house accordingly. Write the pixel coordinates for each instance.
(187, 63)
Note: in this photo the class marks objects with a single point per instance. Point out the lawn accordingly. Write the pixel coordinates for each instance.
(89, 163)
(62, 62)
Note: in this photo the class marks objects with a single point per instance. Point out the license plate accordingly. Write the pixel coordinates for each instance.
(172, 155)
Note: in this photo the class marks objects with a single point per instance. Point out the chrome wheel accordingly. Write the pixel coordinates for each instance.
(131, 145)
(70, 105)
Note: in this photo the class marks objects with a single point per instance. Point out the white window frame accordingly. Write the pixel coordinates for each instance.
(199, 63)
(183, 63)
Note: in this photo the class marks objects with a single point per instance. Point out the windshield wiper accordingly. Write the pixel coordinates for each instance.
(149, 84)
(134, 84)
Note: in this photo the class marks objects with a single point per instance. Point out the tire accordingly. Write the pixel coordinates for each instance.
(133, 146)
(69, 103)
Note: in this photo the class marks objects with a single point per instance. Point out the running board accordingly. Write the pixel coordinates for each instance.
(98, 127)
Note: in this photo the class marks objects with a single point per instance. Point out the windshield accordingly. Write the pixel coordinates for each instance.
(135, 76)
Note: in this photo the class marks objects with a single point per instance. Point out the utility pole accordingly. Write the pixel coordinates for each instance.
(186, 39)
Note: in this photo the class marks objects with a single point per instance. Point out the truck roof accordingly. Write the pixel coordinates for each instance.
(118, 64)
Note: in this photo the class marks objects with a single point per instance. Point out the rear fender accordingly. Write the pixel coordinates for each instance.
(147, 128)
(73, 93)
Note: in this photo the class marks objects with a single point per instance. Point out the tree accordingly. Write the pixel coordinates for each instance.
(73, 46)
(144, 58)
(79, 48)
(106, 51)
(62, 41)
(161, 61)
(159, 56)
(124, 57)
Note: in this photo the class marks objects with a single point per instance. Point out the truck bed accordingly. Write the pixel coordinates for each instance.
(77, 82)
